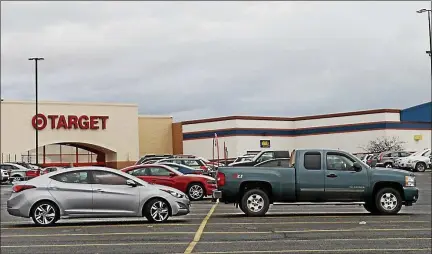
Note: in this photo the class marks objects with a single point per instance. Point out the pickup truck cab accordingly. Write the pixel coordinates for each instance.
(317, 176)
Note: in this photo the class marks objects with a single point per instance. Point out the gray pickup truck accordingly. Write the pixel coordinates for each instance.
(317, 176)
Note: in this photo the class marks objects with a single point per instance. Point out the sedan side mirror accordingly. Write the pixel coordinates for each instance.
(357, 167)
(131, 183)
(172, 174)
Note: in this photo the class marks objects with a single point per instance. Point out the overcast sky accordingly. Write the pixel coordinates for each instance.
(206, 59)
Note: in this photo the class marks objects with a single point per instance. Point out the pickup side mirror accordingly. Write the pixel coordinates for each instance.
(172, 174)
(131, 183)
(357, 167)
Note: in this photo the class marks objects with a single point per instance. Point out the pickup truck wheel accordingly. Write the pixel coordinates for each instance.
(255, 202)
(388, 201)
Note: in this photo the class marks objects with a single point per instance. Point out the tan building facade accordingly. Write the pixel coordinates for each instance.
(81, 133)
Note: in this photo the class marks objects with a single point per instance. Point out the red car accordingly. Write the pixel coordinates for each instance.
(195, 186)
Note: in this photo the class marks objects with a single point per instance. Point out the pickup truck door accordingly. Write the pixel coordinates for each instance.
(310, 177)
(342, 182)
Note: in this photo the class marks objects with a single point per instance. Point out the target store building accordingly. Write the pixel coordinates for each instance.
(79, 134)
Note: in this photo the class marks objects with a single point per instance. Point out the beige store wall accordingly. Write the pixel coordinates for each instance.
(119, 139)
(155, 135)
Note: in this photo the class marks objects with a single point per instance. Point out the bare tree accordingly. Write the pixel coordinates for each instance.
(384, 144)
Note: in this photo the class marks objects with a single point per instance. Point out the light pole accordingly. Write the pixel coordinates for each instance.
(36, 59)
(429, 52)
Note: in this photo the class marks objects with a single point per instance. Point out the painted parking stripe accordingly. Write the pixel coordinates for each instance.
(200, 230)
(320, 250)
(92, 244)
(212, 223)
(222, 232)
(208, 242)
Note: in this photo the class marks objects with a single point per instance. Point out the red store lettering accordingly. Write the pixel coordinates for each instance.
(82, 122)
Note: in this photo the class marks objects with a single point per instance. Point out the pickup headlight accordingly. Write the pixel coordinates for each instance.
(410, 181)
(174, 193)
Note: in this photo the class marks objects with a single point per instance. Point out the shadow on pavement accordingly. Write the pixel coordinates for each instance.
(306, 215)
(97, 223)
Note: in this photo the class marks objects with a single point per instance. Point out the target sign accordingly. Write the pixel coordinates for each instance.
(83, 122)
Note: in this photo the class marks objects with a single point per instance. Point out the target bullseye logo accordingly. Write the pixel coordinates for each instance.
(39, 122)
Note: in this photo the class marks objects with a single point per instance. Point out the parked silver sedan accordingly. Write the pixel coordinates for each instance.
(88, 192)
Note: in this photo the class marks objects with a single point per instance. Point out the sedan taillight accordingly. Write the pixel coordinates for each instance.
(19, 188)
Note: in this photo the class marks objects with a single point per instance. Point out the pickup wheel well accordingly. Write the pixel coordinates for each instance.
(265, 186)
(378, 186)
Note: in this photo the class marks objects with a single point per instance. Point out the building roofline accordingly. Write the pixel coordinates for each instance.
(299, 118)
(154, 116)
(70, 103)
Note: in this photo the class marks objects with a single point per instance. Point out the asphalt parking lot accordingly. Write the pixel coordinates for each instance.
(222, 228)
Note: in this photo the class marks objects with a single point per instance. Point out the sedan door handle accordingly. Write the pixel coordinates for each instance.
(99, 190)
(332, 175)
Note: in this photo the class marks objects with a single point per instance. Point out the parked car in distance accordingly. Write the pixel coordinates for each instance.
(242, 158)
(402, 163)
(190, 162)
(4, 176)
(183, 168)
(387, 159)
(16, 171)
(84, 192)
(420, 162)
(262, 156)
(50, 169)
(280, 162)
(317, 176)
(195, 186)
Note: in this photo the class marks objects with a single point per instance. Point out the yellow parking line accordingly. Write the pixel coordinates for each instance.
(212, 223)
(321, 250)
(200, 230)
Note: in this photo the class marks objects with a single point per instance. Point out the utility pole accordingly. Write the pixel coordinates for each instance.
(36, 59)
(429, 52)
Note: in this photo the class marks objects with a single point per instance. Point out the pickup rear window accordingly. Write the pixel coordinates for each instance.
(312, 160)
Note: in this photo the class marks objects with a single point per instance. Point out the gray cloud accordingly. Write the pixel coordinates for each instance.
(206, 59)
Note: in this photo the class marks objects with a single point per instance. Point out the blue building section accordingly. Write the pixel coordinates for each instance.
(419, 113)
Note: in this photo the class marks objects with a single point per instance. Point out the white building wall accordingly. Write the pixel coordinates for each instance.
(204, 147)
(348, 141)
(252, 143)
(347, 120)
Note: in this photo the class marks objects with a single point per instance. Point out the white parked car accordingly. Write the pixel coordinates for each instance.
(16, 171)
(4, 175)
(402, 163)
(421, 162)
